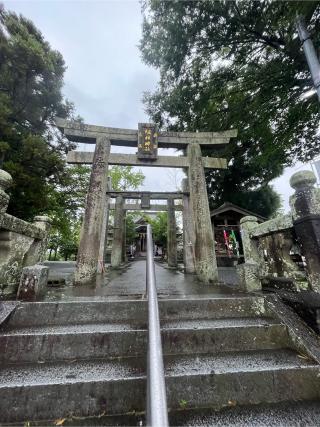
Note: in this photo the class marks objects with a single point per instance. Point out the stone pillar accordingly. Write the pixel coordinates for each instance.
(44, 222)
(104, 230)
(305, 209)
(88, 253)
(249, 271)
(124, 239)
(204, 250)
(250, 250)
(188, 231)
(38, 250)
(171, 235)
(117, 244)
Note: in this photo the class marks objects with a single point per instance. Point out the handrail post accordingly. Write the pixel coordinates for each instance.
(157, 412)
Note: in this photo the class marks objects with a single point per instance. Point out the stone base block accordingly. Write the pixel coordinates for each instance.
(249, 277)
(33, 282)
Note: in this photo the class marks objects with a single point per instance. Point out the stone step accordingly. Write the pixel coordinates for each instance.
(64, 313)
(233, 322)
(60, 390)
(223, 335)
(240, 379)
(212, 308)
(56, 390)
(293, 414)
(53, 343)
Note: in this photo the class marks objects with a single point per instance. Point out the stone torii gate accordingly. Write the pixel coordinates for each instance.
(121, 207)
(147, 140)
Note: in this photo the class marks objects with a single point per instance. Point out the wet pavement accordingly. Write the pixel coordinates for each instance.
(130, 282)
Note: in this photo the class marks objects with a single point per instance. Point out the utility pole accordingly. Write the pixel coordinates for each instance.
(309, 52)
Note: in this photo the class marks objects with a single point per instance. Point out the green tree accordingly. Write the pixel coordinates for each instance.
(31, 79)
(67, 206)
(159, 228)
(69, 242)
(263, 201)
(131, 233)
(125, 178)
(53, 245)
(227, 64)
(64, 242)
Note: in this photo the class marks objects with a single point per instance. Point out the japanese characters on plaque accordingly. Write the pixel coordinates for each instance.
(145, 201)
(147, 141)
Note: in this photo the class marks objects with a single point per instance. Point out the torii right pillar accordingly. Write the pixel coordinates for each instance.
(205, 262)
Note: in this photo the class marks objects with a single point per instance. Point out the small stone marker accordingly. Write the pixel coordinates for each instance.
(33, 282)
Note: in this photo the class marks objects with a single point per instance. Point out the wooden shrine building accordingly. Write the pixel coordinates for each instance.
(225, 222)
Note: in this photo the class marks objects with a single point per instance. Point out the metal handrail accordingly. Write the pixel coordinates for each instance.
(157, 412)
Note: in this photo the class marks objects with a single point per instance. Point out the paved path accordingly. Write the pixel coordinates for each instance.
(131, 282)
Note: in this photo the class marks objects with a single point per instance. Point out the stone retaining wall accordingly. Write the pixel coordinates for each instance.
(270, 247)
(22, 244)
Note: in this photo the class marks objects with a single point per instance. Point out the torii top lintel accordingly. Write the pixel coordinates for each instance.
(79, 132)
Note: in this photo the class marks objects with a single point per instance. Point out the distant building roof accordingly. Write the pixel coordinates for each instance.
(227, 206)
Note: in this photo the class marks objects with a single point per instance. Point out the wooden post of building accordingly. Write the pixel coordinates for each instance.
(171, 235)
(117, 244)
(88, 254)
(188, 231)
(204, 250)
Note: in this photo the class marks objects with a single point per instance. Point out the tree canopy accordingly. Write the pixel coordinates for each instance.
(126, 178)
(227, 64)
(159, 228)
(71, 201)
(31, 79)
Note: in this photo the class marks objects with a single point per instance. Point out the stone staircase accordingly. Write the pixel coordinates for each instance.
(229, 360)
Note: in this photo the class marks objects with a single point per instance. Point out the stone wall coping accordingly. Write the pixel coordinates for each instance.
(42, 218)
(272, 226)
(11, 223)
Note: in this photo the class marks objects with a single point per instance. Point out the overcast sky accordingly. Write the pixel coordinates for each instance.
(106, 78)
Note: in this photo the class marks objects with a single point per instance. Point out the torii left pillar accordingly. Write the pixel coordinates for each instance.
(88, 253)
